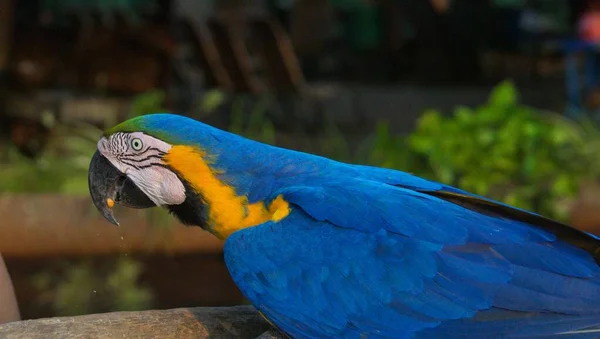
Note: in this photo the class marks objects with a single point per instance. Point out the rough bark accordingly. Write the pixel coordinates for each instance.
(182, 323)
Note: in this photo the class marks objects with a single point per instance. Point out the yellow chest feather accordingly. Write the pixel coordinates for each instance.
(228, 212)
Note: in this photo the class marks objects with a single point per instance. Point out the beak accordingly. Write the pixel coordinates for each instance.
(108, 185)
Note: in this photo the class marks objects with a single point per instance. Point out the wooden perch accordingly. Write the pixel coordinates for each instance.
(183, 323)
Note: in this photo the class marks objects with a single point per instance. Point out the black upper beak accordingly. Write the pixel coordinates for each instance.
(107, 182)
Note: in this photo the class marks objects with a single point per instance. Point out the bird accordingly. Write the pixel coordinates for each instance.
(327, 249)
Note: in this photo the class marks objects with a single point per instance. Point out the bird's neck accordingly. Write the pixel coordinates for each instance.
(226, 211)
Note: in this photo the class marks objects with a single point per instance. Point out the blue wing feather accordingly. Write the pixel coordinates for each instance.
(375, 206)
(359, 257)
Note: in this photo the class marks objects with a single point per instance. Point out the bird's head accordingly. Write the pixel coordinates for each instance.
(159, 160)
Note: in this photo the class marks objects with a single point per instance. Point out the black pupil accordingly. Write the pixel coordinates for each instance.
(136, 144)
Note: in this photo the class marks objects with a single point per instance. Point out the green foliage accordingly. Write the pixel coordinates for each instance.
(255, 125)
(588, 130)
(122, 285)
(61, 168)
(148, 103)
(211, 100)
(502, 149)
(85, 288)
(389, 150)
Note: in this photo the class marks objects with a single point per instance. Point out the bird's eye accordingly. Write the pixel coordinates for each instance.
(136, 144)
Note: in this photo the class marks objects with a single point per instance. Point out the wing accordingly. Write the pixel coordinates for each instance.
(586, 241)
(360, 257)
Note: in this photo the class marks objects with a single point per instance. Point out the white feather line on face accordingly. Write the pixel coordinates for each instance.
(160, 184)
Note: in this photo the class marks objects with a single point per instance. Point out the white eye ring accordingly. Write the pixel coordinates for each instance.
(137, 144)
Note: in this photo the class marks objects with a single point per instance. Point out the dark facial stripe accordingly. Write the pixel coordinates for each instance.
(120, 146)
(154, 149)
(138, 166)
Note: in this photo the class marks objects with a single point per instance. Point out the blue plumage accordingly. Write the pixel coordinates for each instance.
(378, 253)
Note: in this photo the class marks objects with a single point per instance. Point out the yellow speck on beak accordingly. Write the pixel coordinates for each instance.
(110, 203)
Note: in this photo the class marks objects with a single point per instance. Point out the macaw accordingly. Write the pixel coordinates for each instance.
(325, 249)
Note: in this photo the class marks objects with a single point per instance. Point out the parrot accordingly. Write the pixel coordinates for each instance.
(328, 249)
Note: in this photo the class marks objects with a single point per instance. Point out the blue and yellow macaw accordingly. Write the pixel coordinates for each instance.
(325, 249)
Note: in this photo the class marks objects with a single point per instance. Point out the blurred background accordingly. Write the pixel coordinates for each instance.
(498, 97)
